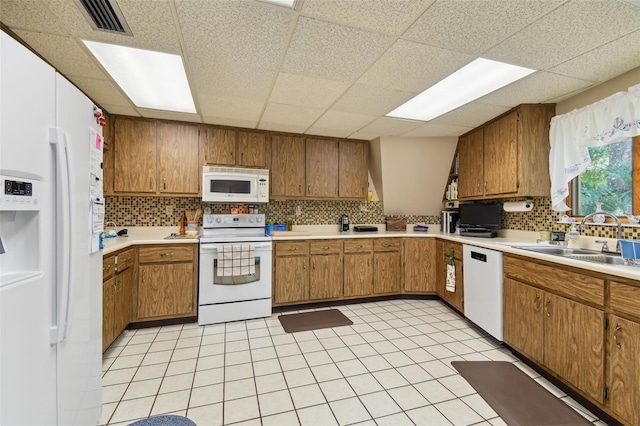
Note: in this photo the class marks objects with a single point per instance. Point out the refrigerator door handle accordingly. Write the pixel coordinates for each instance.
(60, 330)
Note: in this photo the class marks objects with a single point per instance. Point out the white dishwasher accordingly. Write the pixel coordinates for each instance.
(483, 288)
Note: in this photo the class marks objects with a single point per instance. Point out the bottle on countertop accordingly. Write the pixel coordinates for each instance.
(572, 237)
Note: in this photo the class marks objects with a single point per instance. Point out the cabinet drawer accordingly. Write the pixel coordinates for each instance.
(165, 253)
(108, 267)
(358, 245)
(457, 249)
(124, 260)
(386, 244)
(292, 248)
(566, 283)
(625, 298)
(325, 246)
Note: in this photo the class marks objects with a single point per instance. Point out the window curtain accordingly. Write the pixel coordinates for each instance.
(610, 120)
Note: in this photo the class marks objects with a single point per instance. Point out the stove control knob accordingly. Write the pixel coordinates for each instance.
(209, 219)
(218, 219)
(251, 220)
(259, 219)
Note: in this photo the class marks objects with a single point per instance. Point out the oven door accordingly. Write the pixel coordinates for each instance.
(222, 289)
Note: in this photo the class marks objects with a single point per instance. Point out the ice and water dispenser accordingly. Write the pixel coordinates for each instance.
(20, 204)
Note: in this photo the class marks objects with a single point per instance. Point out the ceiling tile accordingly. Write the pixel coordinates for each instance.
(370, 100)
(470, 115)
(236, 32)
(536, 88)
(30, 15)
(332, 51)
(120, 110)
(288, 116)
(216, 78)
(214, 107)
(604, 62)
(101, 91)
(294, 89)
(572, 30)
(151, 23)
(66, 56)
(332, 133)
(413, 67)
(386, 126)
(435, 129)
(475, 26)
(388, 16)
(346, 121)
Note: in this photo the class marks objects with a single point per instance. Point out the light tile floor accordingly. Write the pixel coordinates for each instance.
(391, 367)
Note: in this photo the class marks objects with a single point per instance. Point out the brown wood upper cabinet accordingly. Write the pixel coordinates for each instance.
(318, 168)
(155, 158)
(508, 156)
(322, 168)
(227, 147)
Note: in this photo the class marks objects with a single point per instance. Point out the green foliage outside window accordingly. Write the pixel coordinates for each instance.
(608, 180)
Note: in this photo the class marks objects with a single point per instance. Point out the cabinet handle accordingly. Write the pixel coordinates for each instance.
(164, 182)
(313, 265)
(536, 301)
(309, 189)
(144, 275)
(386, 245)
(242, 157)
(231, 155)
(151, 182)
(113, 288)
(107, 267)
(359, 246)
(546, 307)
(304, 264)
(293, 248)
(325, 248)
(615, 336)
(300, 188)
(166, 254)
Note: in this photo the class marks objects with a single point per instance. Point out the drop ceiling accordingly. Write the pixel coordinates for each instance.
(336, 67)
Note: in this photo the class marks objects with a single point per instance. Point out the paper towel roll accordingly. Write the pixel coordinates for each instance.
(518, 206)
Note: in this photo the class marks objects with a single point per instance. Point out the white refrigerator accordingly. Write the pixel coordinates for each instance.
(51, 211)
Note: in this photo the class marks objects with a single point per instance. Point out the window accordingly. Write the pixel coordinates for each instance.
(609, 180)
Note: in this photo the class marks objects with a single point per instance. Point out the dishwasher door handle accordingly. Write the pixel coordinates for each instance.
(479, 256)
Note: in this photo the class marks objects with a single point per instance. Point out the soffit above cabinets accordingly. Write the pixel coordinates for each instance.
(335, 68)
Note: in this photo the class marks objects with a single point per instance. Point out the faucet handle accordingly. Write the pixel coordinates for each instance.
(605, 246)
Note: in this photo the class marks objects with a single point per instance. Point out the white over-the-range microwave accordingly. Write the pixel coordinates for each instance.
(234, 185)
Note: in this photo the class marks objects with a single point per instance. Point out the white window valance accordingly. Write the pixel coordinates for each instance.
(610, 120)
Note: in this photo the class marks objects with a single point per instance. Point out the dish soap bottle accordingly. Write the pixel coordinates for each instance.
(572, 237)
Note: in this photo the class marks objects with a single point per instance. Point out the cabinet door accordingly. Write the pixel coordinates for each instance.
(470, 162)
(358, 274)
(419, 264)
(623, 368)
(573, 343)
(292, 279)
(108, 300)
(325, 277)
(134, 156)
(322, 168)
(251, 149)
(178, 171)
(455, 298)
(122, 304)
(353, 174)
(387, 272)
(523, 325)
(219, 146)
(165, 290)
(287, 166)
(501, 155)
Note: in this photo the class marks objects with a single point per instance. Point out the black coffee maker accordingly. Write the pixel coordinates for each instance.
(344, 223)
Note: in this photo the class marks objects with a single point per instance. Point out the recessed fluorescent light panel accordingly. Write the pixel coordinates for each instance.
(286, 3)
(151, 79)
(470, 82)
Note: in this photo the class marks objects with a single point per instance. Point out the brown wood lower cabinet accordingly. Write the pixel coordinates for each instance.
(291, 277)
(455, 298)
(358, 267)
(523, 326)
(387, 266)
(117, 289)
(167, 281)
(419, 264)
(325, 275)
(623, 368)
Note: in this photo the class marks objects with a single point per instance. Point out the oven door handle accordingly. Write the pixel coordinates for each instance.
(214, 247)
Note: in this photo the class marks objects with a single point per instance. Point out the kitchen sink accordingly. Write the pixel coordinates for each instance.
(578, 254)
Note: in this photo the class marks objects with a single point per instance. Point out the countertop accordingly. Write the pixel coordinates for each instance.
(507, 242)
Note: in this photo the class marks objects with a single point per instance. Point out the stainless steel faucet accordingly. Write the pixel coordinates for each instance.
(614, 217)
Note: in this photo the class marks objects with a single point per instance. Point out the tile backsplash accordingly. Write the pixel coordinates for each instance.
(166, 211)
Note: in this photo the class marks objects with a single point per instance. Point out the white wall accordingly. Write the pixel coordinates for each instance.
(410, 174)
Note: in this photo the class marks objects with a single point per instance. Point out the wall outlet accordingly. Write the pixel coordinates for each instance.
(169, 210)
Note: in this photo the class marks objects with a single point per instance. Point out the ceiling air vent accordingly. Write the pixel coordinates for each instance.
(104, 15)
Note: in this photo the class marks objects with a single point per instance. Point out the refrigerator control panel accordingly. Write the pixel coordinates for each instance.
(19, 194)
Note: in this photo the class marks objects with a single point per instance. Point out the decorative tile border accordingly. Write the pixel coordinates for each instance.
(166, 211)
